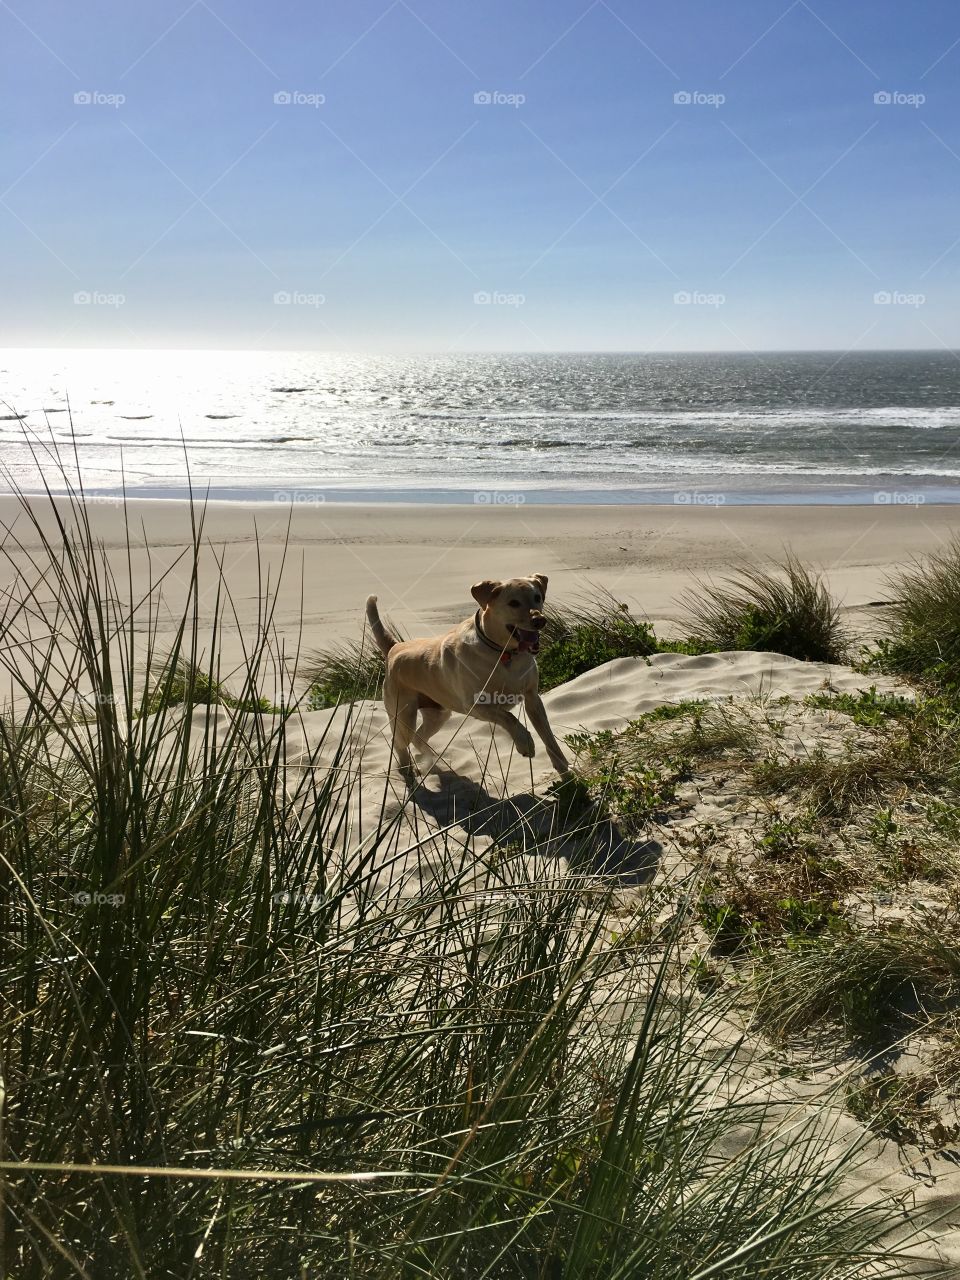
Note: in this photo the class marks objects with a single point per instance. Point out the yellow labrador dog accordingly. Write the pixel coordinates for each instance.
(481, 668)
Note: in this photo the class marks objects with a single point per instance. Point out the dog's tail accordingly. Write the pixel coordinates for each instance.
(385, 641)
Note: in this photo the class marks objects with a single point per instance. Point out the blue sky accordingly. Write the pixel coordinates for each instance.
(584, 207)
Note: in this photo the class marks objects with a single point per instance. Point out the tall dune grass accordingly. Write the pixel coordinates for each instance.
(242, 1036)
(347, 672)
(923, 618)
(787, 609)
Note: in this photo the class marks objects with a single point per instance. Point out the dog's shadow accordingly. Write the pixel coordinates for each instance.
(588, 839)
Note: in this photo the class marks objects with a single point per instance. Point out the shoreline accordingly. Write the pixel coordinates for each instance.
(890, 495)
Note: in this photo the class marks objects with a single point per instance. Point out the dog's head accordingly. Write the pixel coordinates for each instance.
(512, 611)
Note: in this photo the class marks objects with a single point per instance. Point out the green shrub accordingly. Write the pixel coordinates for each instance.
(923, 619)
(581, 637)
(869, 709)
(183, 681)
(759, 917)
(788, 610)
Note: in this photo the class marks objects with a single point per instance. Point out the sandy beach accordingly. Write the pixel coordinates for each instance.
(421, 559)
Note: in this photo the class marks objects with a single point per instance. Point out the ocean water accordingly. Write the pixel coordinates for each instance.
(801, 427)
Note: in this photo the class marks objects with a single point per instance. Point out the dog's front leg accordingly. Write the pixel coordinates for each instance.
(537, 713)
(500, 716)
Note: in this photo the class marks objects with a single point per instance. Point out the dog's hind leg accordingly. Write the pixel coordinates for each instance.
(432, 720)
(401, 705)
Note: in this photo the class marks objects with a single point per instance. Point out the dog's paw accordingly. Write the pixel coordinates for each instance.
(560, 763)
(525, 744)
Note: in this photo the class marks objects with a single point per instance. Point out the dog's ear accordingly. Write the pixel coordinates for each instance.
(541, 580)
(485, 591)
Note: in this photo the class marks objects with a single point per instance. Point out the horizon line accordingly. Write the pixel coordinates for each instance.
(492, 351)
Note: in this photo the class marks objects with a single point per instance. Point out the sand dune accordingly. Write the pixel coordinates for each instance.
(452, 810)
(603, 698)
(451, 803)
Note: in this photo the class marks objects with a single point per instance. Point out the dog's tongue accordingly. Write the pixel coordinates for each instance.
(529, 640)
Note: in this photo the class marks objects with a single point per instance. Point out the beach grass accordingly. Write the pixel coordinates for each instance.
(872, 981)
(347, 672)
(787, 609)
(244, 1036)
(922, 620)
